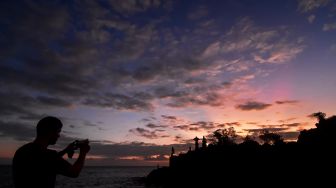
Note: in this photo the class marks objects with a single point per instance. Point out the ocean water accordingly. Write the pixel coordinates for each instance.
(92, 177)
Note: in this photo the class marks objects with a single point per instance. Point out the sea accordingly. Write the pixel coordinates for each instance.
(93, 177)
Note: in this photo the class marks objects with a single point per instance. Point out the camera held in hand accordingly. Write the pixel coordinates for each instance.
(76, 145)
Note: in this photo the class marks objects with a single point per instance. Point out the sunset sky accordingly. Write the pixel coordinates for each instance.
(138, 77)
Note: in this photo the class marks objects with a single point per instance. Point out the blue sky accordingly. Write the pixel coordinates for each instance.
(137, 77)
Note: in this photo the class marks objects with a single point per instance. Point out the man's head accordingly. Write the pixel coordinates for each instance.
(49, 128)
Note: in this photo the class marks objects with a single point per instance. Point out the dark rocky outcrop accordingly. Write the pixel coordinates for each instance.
(309, 161)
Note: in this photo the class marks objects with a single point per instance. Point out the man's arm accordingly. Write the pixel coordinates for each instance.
(75, 169)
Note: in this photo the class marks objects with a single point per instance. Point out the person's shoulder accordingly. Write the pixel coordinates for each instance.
(23, 152)
(25, 147)
(51, 151)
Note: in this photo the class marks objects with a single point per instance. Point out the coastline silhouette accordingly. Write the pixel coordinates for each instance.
(34, 165)
(309, 161)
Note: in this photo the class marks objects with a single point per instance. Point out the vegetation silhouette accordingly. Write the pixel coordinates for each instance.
(225, 163)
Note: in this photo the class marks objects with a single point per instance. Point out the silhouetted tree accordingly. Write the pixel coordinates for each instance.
(224, 136)
(271, 138)
(321, 118)
(250, 141)
(229, 135)
(217, 134)
(323, 134)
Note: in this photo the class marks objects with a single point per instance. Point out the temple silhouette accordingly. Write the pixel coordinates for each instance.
(311, 160)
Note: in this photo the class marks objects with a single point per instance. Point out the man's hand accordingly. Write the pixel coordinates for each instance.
(70, 147)
(84, 148)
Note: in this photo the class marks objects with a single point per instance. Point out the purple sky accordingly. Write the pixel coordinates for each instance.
(138, 77)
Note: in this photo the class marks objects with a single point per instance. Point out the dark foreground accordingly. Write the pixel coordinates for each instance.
(311, 161)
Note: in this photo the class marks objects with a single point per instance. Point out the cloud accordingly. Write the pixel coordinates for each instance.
(182, 127)
(309, 5)
(252, 123)
(311, 18)
(265, 45)
(203, 125)
(92, 124)
(177, 123)
(333, 48)
(288, 119)
(271, 129)
(57, 55)
(198, 13)
(53, 101)
(167, 91)
(131, 157)
(212, 49)
(329, 26)
(20, 105)
(119, 101)
(197, 126)
(16, 130)
(70, 66)
(169, 117)
(210, 99)
(281, 55)
(9, 103)
(64, 67)
(174, 123)
(165, 122)
(292, 124)
(243, 79)
(287, 102)
(129, 7)
(147, 133)
(149, 119)
(253, 105)
(181, 140)
(283, 125)
(158, 157)
(153, 126)
(232, 124)
(51, 26)
(190, 94)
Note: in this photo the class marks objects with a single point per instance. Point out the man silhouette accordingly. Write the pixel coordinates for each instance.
(34, 165)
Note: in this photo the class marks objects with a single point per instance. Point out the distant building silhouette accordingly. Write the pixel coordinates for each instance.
(196, 142)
